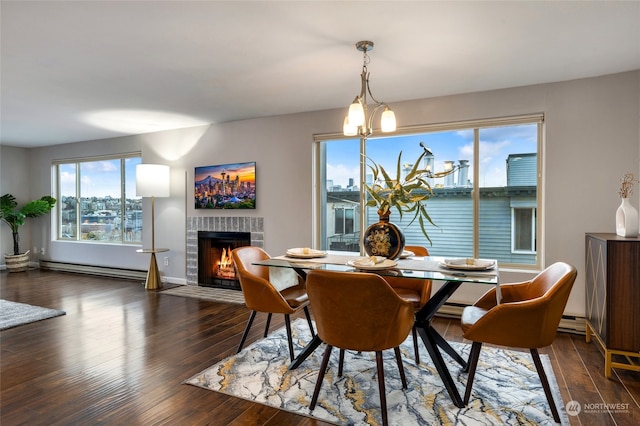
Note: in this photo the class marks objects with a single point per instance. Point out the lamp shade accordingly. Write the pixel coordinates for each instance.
(348, 129)
(388, 121)
(152, 180)
(356, 113)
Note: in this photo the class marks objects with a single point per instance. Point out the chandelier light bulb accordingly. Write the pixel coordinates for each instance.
(348, 129)
(388, 121)
(356, 113)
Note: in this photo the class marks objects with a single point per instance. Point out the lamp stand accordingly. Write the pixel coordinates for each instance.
(153, 281)
(153, 276)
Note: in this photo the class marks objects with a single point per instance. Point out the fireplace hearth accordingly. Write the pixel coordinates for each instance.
(215, 265)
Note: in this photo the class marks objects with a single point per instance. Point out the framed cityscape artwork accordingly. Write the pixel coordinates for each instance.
(226, 186)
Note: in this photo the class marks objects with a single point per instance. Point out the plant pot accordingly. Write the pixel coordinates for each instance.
(383, 238)
(17, 262)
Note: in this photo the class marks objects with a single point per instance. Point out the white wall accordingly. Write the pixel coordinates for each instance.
(592, 137)
(14, 179)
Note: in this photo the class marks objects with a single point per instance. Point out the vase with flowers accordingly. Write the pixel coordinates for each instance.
(627, 215)
(404, 195)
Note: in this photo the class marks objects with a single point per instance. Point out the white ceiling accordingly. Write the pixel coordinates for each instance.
(83, 70)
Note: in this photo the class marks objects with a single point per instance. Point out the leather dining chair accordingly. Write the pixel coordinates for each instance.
(359, 312)
(527, 317)
(414, 290)
(260, 295)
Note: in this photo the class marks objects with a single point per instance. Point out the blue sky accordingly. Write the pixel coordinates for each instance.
(246, 171)
(100, 178)
(495, 145)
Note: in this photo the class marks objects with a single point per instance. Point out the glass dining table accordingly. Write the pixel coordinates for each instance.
(429, 267)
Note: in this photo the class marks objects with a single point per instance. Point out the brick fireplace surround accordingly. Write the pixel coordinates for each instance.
(254, 225)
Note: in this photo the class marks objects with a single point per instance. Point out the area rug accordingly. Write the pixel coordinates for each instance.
(506, 391)
(13, 314)
(207, 293)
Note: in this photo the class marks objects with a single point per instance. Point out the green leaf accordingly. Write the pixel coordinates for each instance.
(403, 196)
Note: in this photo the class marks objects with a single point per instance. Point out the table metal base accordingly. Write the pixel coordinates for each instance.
(430, 337)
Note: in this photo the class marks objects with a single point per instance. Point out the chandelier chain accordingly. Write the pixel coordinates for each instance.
(365, 59)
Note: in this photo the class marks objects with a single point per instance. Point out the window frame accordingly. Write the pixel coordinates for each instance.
(319, 175)
(57, 187)
(515, 227)
(345, 219)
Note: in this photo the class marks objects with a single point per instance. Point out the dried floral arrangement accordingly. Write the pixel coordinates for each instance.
(626, 185)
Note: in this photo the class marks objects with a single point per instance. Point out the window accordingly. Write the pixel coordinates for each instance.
(97, 201)
(344, 220)
(487, 208)
(523, 232)
(339, 227)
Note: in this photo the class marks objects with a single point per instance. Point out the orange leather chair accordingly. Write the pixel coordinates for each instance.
(261, 296)
(416, 291)
(359, 312)
(527, 317)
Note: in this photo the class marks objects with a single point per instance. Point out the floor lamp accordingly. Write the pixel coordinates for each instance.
(152, 180)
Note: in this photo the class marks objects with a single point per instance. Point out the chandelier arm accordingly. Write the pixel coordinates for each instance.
(369, 123)
(377, 102)
(364, 84)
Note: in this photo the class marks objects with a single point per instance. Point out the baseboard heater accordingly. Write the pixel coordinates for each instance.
(105, 271)
(568, 323)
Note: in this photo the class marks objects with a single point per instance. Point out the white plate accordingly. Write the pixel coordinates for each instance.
(407, 253)
(461, 264)
(366, 265)
(305, 253)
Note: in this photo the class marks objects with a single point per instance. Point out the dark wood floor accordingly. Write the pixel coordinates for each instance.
(121, 353)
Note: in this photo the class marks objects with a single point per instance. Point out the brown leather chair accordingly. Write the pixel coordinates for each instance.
(527, 317)
(416, 291)
(261, 296)
(360, 312)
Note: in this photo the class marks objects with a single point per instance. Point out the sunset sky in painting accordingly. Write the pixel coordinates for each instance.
(246, 171)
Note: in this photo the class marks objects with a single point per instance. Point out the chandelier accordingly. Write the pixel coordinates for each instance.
(356, 122)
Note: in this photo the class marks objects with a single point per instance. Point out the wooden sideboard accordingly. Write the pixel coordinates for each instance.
(613, 298)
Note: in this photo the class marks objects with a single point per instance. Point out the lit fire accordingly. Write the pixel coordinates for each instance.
(225, 264)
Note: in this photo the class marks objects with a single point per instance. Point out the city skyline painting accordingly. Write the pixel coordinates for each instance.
(225, 186)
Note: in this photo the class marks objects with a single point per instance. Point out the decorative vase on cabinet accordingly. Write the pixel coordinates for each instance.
(626, 219)
(384, 238)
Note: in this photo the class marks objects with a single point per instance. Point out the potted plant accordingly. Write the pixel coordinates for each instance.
(15, 217)
(406, 195)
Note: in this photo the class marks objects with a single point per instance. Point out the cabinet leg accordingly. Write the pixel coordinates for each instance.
(587, 329)
(607, 364)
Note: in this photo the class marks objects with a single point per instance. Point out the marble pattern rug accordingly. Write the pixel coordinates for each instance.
(506, 389)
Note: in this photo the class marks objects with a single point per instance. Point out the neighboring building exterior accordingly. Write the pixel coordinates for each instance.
(507, 228)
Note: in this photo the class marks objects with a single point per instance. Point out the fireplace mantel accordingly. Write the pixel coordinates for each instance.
(254, 225)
